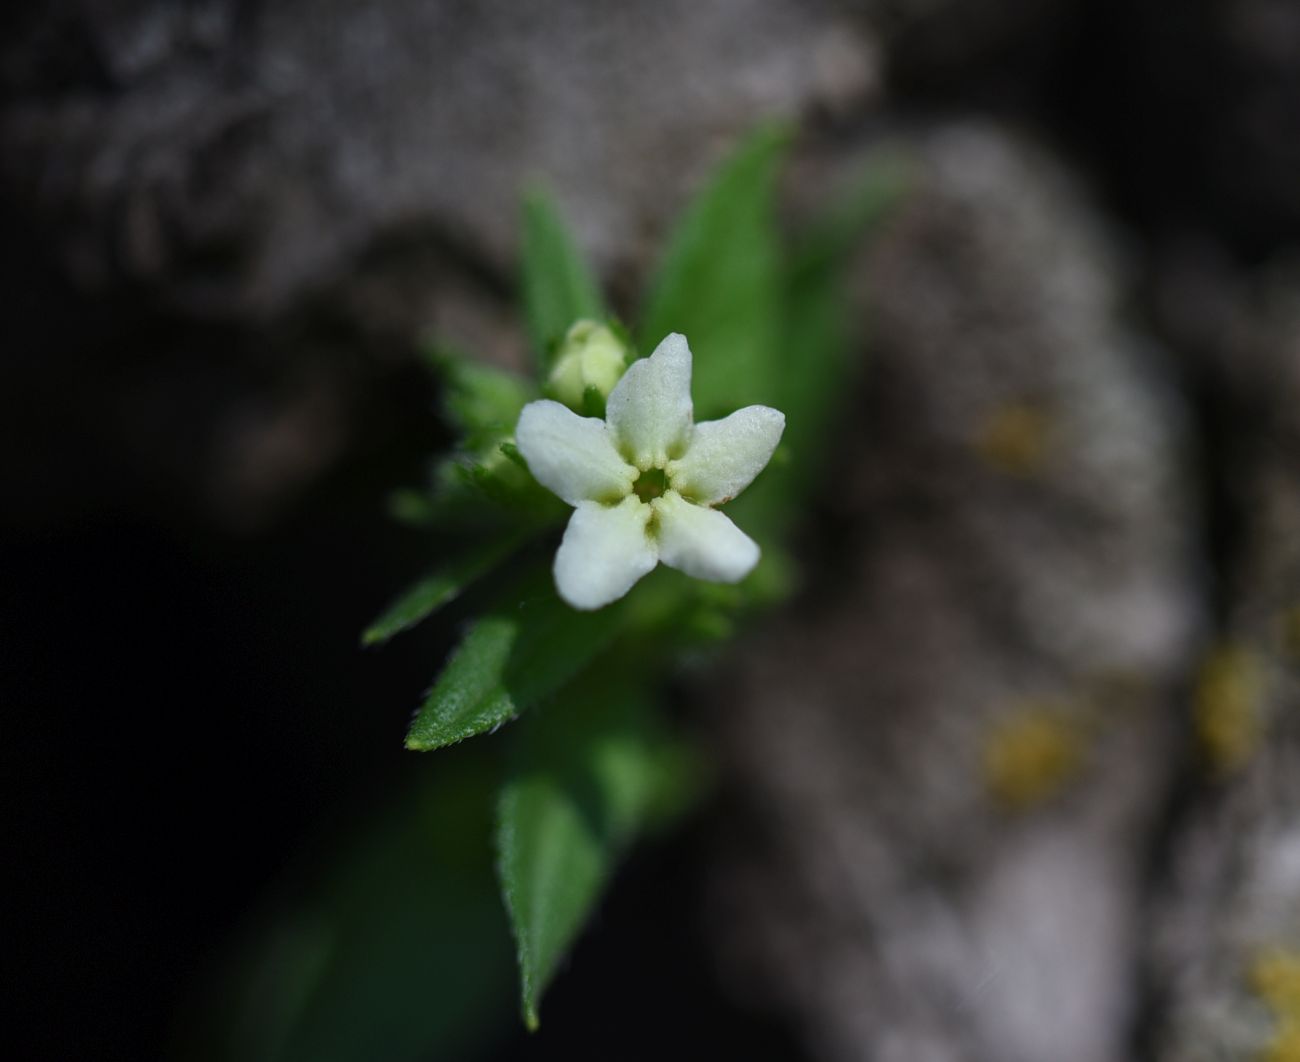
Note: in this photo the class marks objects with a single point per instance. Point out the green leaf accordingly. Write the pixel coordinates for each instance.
(391, 945)
(511, 658)
(871, 195)
(482, 402)
(594, 768)
(488, 489)
(558, 288)
(490, 495)
(485, 483)
(720, 283)
(515, 454)
(815, 344)
(437, 589)
(593, 403)
(817, 328)
(503, 479)
(415, 508)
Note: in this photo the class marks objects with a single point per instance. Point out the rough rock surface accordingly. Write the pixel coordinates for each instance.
(955, 752)
(220, 132)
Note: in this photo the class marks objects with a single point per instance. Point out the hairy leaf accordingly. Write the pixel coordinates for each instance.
(593, 769)
(490, 489)
(511, 658)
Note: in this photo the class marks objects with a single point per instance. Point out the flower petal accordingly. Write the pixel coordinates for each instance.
(570, 455)
(605, 550)
(702, 542)
(650, 408)
(725, 455)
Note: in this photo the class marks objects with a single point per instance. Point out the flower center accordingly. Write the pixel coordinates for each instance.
(650, 484)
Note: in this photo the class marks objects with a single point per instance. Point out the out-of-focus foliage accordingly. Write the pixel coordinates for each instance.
(720, 285)
(558, 287)
(397, 951)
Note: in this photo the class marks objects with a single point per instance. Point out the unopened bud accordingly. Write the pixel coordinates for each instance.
(591, 359)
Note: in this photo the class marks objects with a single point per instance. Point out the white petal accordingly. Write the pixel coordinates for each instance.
(604, 552)
(702, 542)
(650, 408)
(725, 455)
(570, 455)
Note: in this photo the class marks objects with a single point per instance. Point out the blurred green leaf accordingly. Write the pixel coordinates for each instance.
(816, 341)
(503, 479)
(593, 769)
(515, 454)
(593, 403)
(438, 588)
(485, 481)
(817, 333)
(875, 190)
(397, 952)
(511, 658)
(451, 500)
(491, 489)
(558, 287)
(720, 283)
(482, 402)
(412, 507)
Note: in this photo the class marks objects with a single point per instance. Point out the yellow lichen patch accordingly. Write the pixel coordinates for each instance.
(1285, 1045)
(1015, 439)
(1229, 691)
(1275, 978)
(1031, 755)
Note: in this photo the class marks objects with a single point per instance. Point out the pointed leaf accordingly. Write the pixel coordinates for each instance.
(438, 588)
(594, 768)
(511, 658)
(815, 345)
(720, 283)
(817, 338)
(558, 287)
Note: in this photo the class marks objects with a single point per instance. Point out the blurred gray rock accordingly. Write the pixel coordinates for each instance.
(241, 155)
(955, 753)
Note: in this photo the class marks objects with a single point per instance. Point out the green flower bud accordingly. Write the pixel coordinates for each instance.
(591, 357)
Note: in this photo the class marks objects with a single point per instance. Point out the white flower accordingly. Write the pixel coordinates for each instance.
(644, 481)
